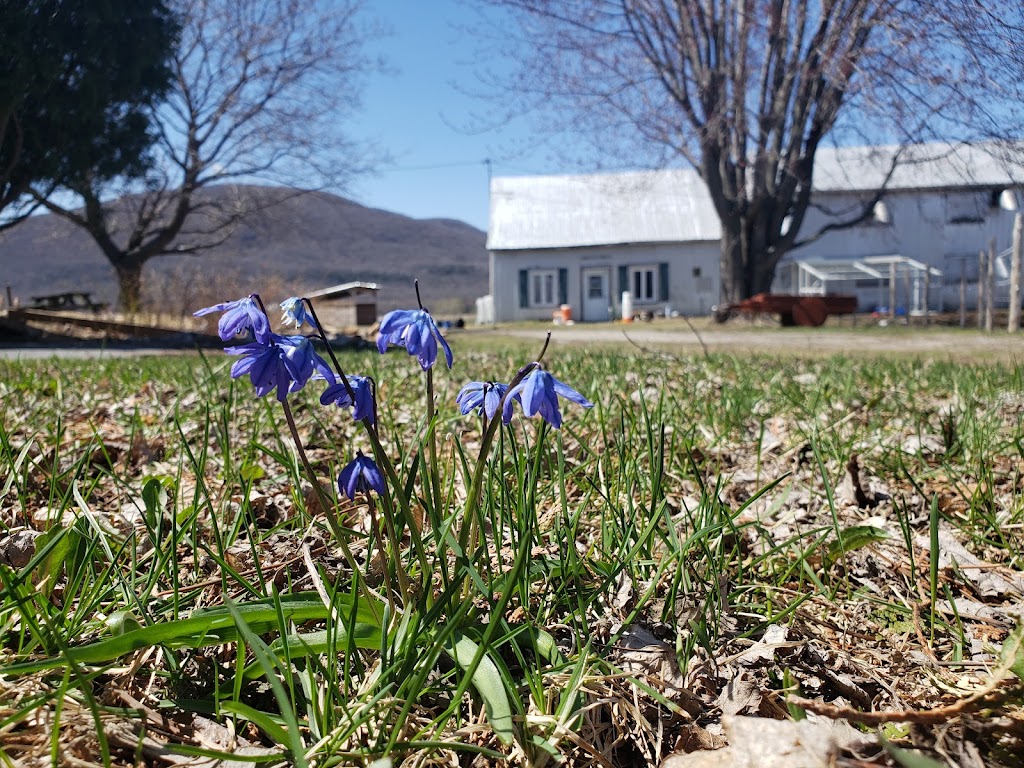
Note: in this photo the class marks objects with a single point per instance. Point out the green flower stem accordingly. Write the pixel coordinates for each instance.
(468, 533)
(326, 502)
(381, 457)
(403, 578)
(524, 552)
(431, 436)
(328, 506)
(330, 352)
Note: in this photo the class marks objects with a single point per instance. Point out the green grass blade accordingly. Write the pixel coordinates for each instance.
(292, 736)
(487, 682)
(202, 628)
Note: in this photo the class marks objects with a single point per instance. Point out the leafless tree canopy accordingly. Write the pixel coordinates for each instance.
(262, 88)
(990, 37)
(744, 90)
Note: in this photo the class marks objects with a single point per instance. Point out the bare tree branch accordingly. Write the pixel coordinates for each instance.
(261, 87)
(744, 90)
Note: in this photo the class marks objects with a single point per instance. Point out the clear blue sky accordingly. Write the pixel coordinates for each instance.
(420, 117)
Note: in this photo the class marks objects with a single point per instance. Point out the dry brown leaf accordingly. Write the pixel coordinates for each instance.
(758, 742)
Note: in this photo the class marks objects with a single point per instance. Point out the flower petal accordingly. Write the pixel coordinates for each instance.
(564, 390)
(396, 320)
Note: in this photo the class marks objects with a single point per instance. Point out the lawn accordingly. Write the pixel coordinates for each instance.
(749, 553)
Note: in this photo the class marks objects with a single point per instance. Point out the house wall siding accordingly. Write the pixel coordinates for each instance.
(689, 293)
(940, 213)
(925, 225)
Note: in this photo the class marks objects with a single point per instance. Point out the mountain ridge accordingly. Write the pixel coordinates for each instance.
(301, 242)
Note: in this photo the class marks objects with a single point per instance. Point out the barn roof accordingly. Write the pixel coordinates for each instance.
(671, 206)
(933, 166)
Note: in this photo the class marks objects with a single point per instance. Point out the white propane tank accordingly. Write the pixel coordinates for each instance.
(627, 307)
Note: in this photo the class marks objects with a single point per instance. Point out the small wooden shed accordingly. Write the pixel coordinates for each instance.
(347, 304)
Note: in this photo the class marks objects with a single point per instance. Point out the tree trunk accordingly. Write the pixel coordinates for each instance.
(129, 286)
(762, 274)
(731, 268)
(746, 267)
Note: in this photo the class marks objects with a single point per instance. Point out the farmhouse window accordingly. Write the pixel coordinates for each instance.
(542, 288)
(539, 288)
(642, 279)
(646, 283)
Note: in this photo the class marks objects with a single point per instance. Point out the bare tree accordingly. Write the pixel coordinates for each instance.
(744, 90)
(261, 87)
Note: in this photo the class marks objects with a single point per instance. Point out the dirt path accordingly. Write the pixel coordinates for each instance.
(945, 342)
(675, 337)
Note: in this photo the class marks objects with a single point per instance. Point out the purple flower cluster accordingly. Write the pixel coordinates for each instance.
(482, 396)
(293, 310)
(282, 362)
(537, 394)
(286, 363)
(360, 475)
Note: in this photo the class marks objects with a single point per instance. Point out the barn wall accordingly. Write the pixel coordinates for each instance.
(943, 228)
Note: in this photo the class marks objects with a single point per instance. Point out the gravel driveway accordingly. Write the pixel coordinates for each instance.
(676, 337)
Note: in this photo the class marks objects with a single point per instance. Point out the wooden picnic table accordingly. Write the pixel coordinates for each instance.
(69, 301)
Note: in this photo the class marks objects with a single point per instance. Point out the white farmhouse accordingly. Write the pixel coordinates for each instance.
(583, 240)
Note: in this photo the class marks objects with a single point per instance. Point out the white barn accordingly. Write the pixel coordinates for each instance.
(583, 240)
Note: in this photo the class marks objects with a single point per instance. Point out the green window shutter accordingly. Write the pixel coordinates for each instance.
(663, 281)
(524, 289)
(623, 279)
(563, 286)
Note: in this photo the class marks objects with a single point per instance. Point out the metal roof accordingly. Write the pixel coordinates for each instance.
(940, 165)
(343, 289)
(672, 206)
(667, 206)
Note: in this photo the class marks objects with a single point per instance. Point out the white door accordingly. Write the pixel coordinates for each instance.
(597, 297)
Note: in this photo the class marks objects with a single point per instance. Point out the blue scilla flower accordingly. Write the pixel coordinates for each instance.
(284, 363)
(539, 393)
(481, 395)
(293, 310)
(301, 359)
(239, 317)
(361, 404)
(360, 476)
(415, 330)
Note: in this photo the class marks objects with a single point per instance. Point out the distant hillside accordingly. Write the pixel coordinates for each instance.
(302, 243)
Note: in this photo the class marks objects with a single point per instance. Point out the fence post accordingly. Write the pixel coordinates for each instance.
(1013, 323)
(981, 290)
(963, 293)
(990, 285)
(927, 290)
(892, 291)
